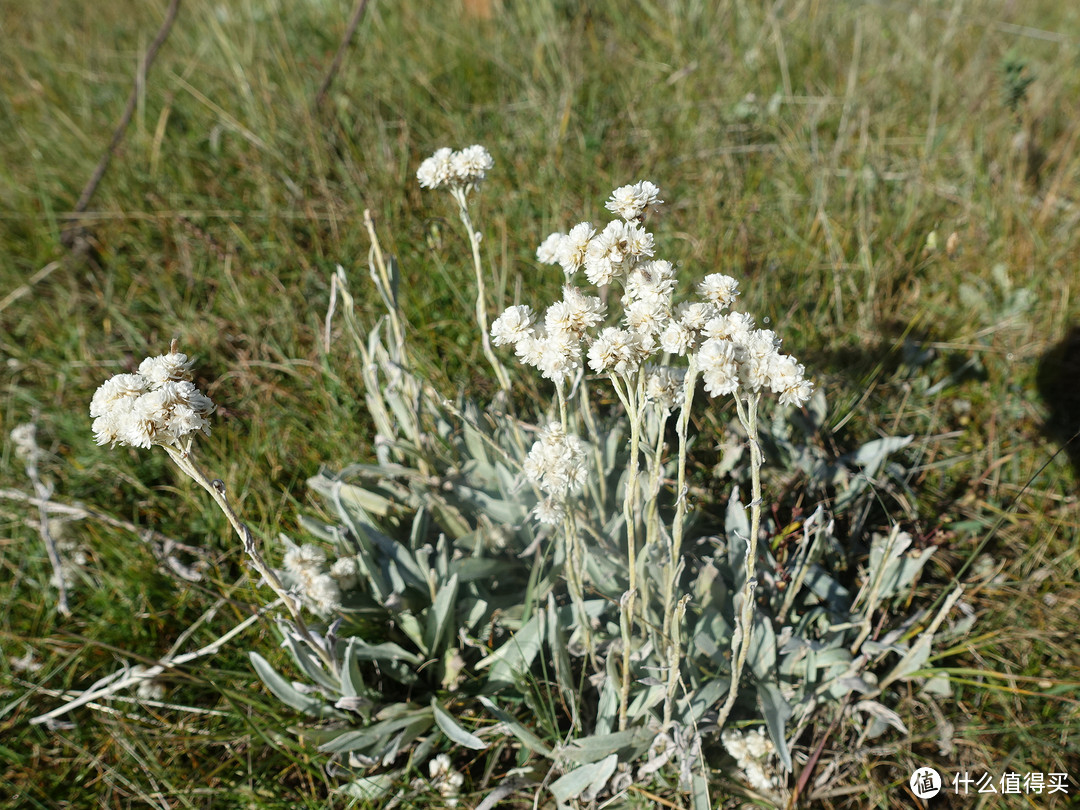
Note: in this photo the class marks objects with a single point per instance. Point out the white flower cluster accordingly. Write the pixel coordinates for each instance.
(157, 405)
(465, 168)
(322, 588)
(445, 779)
(753, 750)
(732, 355)
(556, 464)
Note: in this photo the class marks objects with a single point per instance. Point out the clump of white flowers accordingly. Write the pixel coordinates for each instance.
(754, 753)
(157, 405)
(320, 588)
(445, 779)
(723, 346)
(465, 168)
(557, 465)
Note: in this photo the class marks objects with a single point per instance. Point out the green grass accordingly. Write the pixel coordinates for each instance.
(231, 201)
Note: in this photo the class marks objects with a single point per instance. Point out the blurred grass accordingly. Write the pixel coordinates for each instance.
(810, 150)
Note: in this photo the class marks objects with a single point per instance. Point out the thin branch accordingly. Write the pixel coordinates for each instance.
(70, 234)
(339, 57)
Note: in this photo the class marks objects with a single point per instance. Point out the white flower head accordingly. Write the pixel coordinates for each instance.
(307, 558)
(514, 325)
(551, 249)
(437, 170)
(549, 512)
(677, 339)
(159, 405)
(617, 351)
(471, 165)
(719, 289)
(648, 317)
(664, 386)
(615, 250)
(719, 369)
(345, 572)
(575, 314)
(575, 247)
(634, 202)
(556, 464)
(174, 366)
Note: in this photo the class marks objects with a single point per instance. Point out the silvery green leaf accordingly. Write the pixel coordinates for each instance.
(440, 618)
(507, 512)
(370, 788)
(700, 791)
(737, 532)
(352, 680)
(387, 651)
(762, 655)
(777, 712)
(528, 739)
(469, 569)
(308, 661)
(938, 685)
(599, 746)
(410, 626)
(445, 721)
(370, 502)
(705, 698)
(584, 781)
(516, 654)
(873, 454)
(474, 442)
(607, 706)
(287, 693)
(836, 596)
(557, 643)
(379, 734)
(882, 713)
(648, 699)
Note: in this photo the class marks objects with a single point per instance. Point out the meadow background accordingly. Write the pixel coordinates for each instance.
(895, 183)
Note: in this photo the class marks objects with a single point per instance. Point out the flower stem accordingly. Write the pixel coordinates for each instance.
(187, 465)
(481, 306)
(744, 623)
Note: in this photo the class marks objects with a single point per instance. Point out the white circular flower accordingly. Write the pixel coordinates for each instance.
(719, 289)
(664, 386)
(677, 339)
(648, 317)
(175, 366)
(634, 201)
(549, 511)
(617, 351)
(575, 247)
(551, 249)
(719, 370)
(436, 170)
(515, 324)
(120, 390)
(307, 557)
(345, 572)
(471, 165)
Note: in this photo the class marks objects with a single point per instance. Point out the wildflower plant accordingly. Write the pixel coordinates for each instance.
(492, 561)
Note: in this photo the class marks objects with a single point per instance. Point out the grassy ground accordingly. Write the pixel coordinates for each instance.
(895, 182)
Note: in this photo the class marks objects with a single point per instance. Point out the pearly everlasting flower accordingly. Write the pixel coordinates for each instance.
(735, 326)
(549, 511)
(719, 370)
(664, 386)
(466, 168)
(515, 324)
(753, 752)
(559, 356)
(445, 779)
(345, 572)
(436, 170)
(575, 314)
(551, 249)
(617, 351)
(322, 590)
(614, 250)
(677, 339)
(644, 285)
(471, 165)
(556, 464)
(635, 201)
(719, 289)
(174, 366)
(159, 405)
(575, 247)
(786, 378)
(648, 317)
(300, 559)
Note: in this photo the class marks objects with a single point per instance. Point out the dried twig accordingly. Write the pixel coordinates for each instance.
(339, 57)
(70, 236)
